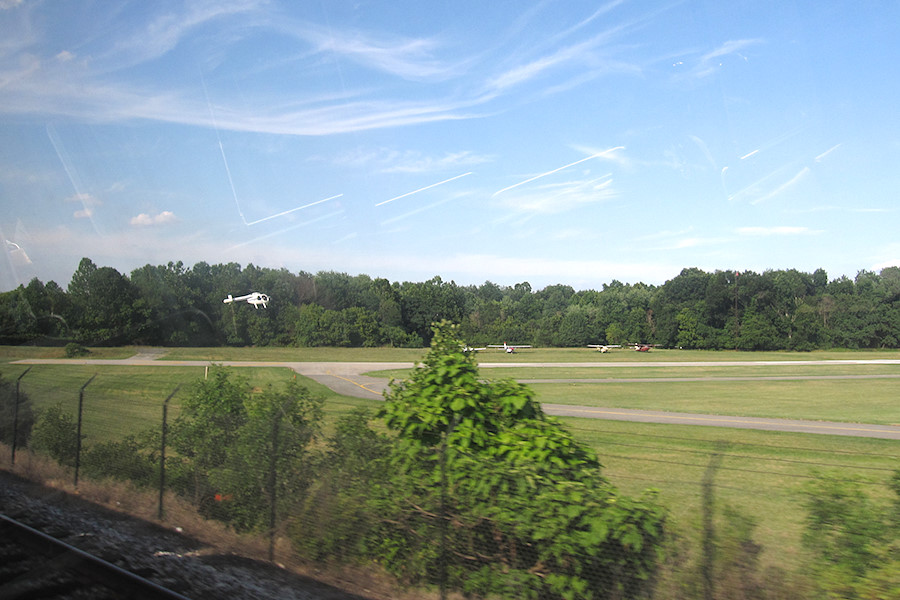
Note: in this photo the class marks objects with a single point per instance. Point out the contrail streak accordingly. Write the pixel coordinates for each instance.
(222, 149)
(427, 187)
(827, 152)
(287, 212)
(557, 170)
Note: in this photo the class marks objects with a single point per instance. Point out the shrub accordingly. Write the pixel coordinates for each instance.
(74, 350)
(56, 434)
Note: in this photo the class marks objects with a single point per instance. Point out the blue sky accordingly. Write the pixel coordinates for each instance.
(549, 142)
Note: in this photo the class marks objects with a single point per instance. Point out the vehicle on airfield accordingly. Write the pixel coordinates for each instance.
(509, 348)
(471, 349)
(604, 348)
(254, 298)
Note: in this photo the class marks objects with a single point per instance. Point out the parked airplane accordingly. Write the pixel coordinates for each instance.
(644, 347)
(254, 298)
(508, 348)
(471, 349)
(604, 348)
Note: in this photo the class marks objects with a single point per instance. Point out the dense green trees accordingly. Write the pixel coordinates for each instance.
(176, 305)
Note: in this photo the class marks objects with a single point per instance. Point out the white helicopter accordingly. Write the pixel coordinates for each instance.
(508, 348)
(604, 348)
(254, 298)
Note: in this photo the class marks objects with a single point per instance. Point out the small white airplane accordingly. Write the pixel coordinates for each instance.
(604, 348)
(509, 348)
(471, 349)
(254, 298)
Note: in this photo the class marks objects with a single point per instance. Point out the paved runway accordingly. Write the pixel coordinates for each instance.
(347, 378)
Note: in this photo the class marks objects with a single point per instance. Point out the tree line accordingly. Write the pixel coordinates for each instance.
(174, 305)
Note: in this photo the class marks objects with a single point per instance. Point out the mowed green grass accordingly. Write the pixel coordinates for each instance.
(298, 354)
(125, 400)
(843, 400)
(762, 474)
(665, 355)
(674, 389)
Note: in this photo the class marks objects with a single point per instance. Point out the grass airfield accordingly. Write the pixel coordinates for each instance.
(762, 473)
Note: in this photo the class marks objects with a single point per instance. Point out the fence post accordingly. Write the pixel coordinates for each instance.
(162, 450)
(15, 436)
(78, 434)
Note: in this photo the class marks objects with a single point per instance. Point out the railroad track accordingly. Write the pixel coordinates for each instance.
(34, 565)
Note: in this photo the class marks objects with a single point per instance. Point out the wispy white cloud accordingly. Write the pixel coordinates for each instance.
(165, 31)
(145, 220)
(88, 202)
(415, 163)
(680, 239)
(100, 87)
(562, 196)
(408, 58)
(101, 81)
(387, 160)
(581, 53)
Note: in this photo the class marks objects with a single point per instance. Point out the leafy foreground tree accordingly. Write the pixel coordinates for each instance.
(489, 496)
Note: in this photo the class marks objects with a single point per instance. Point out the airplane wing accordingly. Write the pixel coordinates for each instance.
(509, 347)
